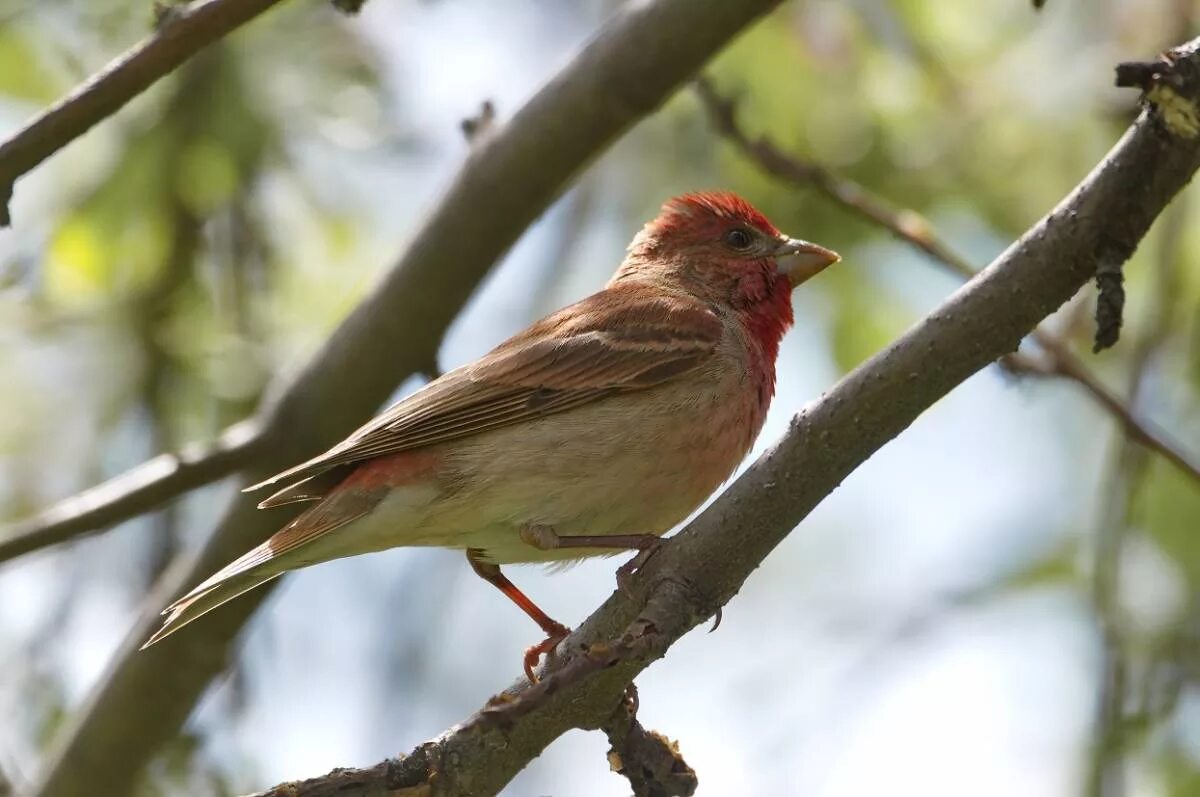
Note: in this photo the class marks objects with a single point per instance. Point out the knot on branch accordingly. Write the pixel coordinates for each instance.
(166, 14)
(475, 127)
(505, 708)
(649, 760)
(1110, 281)
(1110, 303)
(411, 775)
(1171, 84)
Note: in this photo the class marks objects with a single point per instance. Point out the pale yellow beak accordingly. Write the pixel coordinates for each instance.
(799, 260)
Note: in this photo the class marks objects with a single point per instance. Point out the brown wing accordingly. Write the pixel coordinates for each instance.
(614, 341)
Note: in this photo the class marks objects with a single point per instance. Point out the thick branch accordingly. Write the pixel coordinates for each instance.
(139, 490)
(511, 176)
(706, 564)
(913, 229)
(181, 32)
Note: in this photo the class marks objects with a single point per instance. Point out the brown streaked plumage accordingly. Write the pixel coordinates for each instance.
(596, 429)
(618, 340)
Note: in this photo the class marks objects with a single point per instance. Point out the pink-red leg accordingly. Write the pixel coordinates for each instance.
(555, 631)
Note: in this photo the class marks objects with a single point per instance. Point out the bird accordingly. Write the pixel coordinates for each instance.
(594, 431)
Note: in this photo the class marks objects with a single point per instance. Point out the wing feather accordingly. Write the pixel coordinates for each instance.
(618, 340)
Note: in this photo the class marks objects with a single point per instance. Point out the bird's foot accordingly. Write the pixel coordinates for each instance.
(626, 571)
(533, 654)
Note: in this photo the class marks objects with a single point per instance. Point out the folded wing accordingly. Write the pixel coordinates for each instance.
(621, 339)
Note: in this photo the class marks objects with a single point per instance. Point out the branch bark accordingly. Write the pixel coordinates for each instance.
(703, 566)
(511, 176)
(181, 31)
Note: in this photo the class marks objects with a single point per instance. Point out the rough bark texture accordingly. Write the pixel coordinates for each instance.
(701, 568)
(514, 172)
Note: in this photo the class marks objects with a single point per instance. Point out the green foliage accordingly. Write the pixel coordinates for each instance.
(22, 75)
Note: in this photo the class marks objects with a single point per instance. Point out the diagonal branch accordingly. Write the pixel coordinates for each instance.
(139, 490)
(512, 174)
(911, 228)
(1065, 363)
(181, 31)
(703, 566)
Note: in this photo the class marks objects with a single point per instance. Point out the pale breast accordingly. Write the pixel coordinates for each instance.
(637, 463)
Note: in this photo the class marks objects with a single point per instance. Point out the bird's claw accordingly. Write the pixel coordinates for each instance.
(534, 653)
(625, 572)
(716, 620)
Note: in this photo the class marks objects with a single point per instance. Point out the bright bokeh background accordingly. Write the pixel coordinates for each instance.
(929, 630)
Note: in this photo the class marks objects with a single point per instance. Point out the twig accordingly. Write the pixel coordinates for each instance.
(147, 486)
(510, 178)
(703, 566)
(1063, 362)
(650, 761)
(181, 32)
(473, 127)
(912, 228)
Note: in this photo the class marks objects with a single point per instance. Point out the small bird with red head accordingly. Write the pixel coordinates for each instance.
(595, 430)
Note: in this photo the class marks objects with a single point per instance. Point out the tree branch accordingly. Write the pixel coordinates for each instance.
(510, 177)
(650, 761)
(703, 566)
(139, 490)
(181, 31)
(913, 229)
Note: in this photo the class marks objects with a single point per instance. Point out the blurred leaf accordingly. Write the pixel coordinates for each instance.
(90, 260)
(1169, 505)
(76, 263)
(1058, 567)
(1181, 773)
(22, 75)
(208, 177)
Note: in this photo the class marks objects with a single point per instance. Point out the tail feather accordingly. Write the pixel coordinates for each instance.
(201, 601)
(289, 548)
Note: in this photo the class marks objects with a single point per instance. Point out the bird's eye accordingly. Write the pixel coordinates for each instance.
(738, 239)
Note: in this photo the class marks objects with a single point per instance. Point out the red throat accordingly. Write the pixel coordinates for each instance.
(766, 322)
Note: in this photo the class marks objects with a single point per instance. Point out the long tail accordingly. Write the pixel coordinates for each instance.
(207, 597)
(288, 549)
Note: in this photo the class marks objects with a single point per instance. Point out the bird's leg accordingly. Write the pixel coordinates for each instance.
(555, 631)
(544, 538)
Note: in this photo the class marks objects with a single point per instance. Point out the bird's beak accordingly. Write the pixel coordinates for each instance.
(799, 260)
